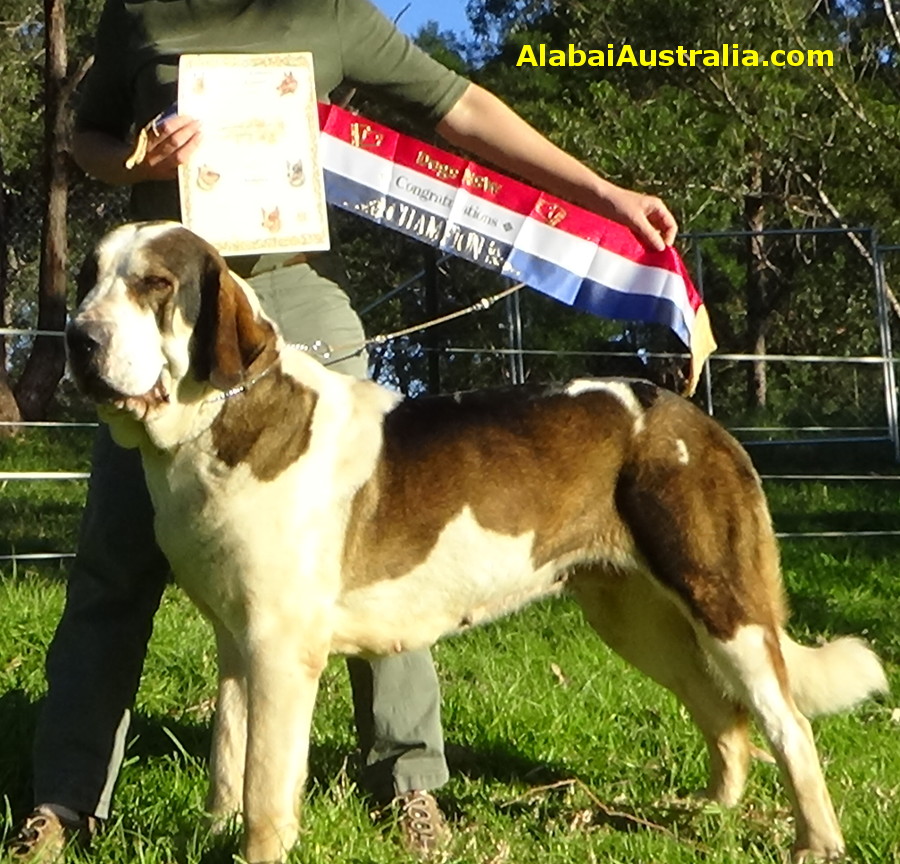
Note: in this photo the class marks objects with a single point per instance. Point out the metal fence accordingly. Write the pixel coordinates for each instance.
(514, 343)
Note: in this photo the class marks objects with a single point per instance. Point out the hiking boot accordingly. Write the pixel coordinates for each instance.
(423, 830)
(44, 835)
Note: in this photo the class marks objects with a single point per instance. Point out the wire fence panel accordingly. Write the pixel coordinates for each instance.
(805, 358)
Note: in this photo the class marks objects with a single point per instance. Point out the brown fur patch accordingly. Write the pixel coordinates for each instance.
(579, 473)
(521, 461)
(267, 427)
(228, 337)
(703, 526)
(773, 648)
(229, 333)
(174, 260)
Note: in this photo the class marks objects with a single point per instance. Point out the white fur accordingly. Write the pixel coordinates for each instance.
(483, 575)
(832, 677)
(746, 665)
(131, 340)
(620, 389)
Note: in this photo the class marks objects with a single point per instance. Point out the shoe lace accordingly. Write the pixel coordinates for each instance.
(29, 833)
(421, 815)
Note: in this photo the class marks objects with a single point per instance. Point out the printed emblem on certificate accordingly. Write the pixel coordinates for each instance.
(255, 184)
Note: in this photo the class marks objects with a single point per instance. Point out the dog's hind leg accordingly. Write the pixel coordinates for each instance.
(701, 524)
(752, 663)
(646, 628)
(229, 734)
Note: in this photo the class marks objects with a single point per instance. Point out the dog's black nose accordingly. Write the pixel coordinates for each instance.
(80, 343)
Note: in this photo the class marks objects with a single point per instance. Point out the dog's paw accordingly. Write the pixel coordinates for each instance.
(808, 856)
(224, 823)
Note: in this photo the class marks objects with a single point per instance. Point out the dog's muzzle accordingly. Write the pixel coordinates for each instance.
(88, 355)
(85, 352)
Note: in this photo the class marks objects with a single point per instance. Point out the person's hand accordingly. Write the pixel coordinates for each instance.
(646, 215)
(167, 144)
(486, 126)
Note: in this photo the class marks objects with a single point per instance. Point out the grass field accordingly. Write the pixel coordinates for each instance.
(558, 751)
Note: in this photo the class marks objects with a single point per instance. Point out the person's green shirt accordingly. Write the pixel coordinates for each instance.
(134, 76)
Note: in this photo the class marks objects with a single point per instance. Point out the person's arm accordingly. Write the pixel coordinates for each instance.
(482, 124)
(103, 155)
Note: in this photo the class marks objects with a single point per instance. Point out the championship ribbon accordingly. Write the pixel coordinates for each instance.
(573, 255)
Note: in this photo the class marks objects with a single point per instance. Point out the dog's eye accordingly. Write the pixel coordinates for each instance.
(148, 284)
(156, 283)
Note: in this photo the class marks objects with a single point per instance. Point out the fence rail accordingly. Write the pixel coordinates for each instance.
(517, 351)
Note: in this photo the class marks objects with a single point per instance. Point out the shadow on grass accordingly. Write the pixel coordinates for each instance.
(18, 716)
(556, 795)
(845, 587)
(501, 762)
(872, 622)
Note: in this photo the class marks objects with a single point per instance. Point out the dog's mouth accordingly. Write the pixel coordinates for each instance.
(110, 400)
(88, 354)
(138, 407)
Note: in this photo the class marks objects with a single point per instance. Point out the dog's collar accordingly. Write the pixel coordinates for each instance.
(322, 351)
(240, 388)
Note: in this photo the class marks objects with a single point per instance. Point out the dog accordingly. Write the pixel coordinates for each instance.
(306, 513)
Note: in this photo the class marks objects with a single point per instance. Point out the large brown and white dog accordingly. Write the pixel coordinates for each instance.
(311, 513)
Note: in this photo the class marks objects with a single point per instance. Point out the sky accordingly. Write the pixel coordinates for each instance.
(450, 14)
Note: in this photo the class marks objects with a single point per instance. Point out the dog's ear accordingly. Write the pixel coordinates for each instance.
(86, 278)
(228, 336)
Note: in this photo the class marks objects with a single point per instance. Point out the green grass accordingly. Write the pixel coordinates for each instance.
(40, 516)
(558, 750)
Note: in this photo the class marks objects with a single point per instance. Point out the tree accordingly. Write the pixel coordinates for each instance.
(50, 85)
(8, 407)
(748, 147)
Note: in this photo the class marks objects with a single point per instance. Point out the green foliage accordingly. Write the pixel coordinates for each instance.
(696, 133)
(41, 516)
(21, 71)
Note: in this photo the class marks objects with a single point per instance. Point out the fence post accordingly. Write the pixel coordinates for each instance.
(514, 338)
(432, 307)
(887, 352)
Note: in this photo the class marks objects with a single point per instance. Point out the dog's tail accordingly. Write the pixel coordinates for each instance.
(832, 677)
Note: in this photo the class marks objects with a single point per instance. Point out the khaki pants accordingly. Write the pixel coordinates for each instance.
(94, 663)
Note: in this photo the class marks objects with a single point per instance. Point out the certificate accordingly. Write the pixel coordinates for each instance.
(254, 184)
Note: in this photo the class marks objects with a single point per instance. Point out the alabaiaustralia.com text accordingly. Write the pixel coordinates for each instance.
(732, 55)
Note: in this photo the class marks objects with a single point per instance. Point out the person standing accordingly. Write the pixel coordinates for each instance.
(114, 588)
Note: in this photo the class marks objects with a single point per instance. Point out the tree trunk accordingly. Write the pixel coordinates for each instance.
(756, 288)
(9, 409)
(46, 363)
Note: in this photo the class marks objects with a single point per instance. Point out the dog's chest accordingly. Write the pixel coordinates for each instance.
(224, 532)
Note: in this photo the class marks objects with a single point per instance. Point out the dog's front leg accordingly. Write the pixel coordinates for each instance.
(283, 677)
(229, 737)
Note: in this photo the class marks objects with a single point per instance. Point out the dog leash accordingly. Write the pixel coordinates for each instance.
(324, 353)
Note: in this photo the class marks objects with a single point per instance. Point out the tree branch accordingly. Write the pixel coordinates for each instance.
(854, 240)
(892, 20)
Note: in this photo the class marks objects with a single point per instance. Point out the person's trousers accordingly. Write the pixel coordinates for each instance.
(114, 588)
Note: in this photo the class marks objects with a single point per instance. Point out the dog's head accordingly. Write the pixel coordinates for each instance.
(161, 319)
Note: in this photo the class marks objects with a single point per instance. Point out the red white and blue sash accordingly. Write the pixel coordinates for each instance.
(562, 250)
